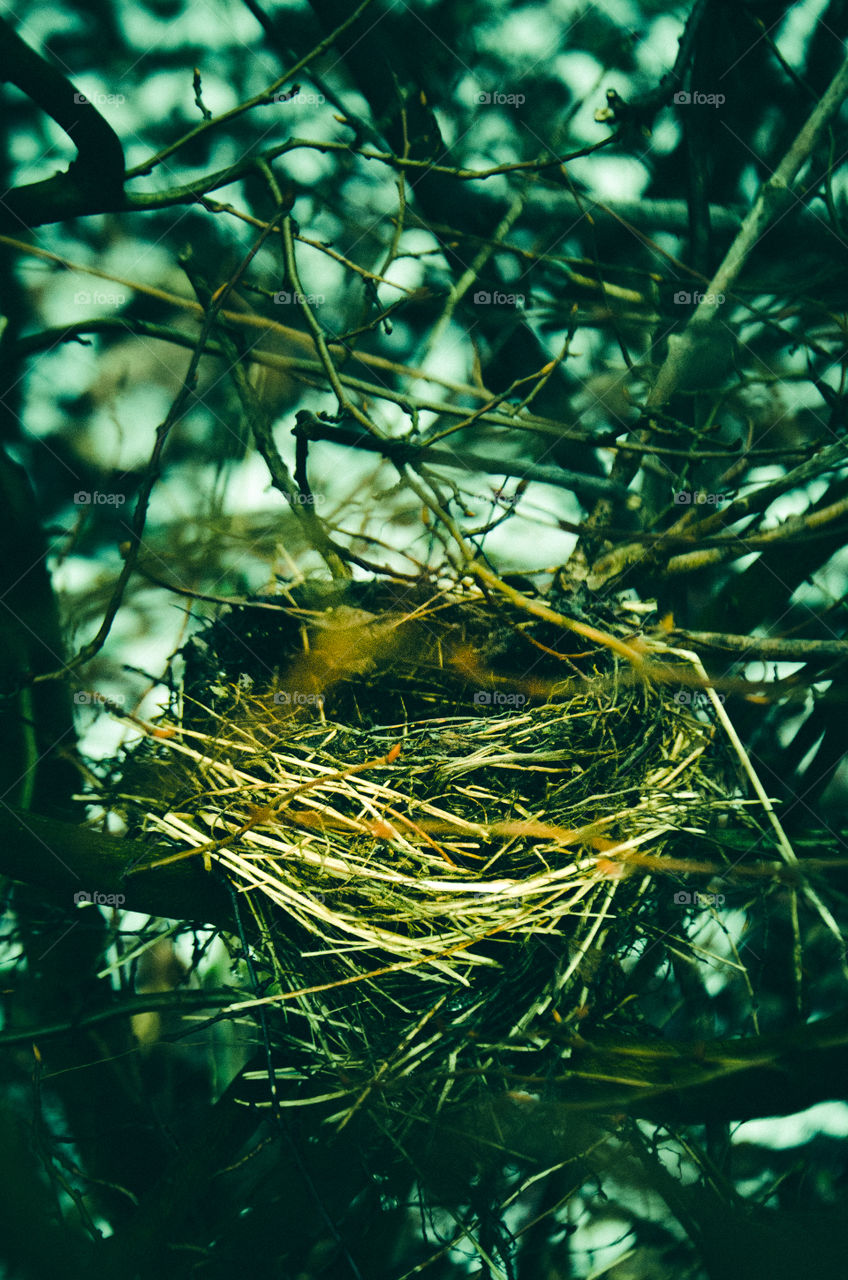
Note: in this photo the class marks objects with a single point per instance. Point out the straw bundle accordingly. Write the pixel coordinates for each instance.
(434, 897)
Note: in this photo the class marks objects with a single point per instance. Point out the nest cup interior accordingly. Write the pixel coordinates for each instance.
(442, 823)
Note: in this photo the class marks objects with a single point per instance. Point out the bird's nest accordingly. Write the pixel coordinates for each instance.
(432, 901)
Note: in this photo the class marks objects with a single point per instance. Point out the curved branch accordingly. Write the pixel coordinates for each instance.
(740, 1079)
(94, 182)
(61, 858)
(128, 1007)
(774, 199)
(775, 648)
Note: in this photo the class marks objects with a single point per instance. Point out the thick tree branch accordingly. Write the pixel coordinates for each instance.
(776, 648)
(62, 859)
(94, 182)
(181, 1002)
(712, 1080)
(688, 348)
